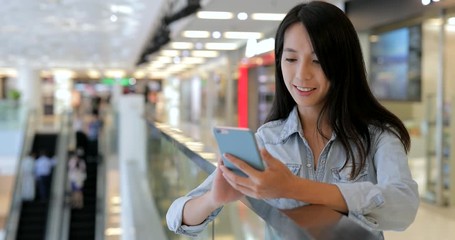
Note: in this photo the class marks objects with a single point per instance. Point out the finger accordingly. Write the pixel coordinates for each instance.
(242, 165)
(245, 190)
(233, 177)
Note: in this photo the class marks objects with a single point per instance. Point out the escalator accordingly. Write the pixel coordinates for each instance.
(83, 221)
(34, 214)
(32, 222)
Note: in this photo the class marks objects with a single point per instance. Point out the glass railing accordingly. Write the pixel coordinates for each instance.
(16, 122)
(177, 164)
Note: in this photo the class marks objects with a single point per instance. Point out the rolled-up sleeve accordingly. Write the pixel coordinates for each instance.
(174, 215)
(391, 203)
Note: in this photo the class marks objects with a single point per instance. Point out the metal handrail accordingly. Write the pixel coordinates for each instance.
(101, 199)
(57, 203)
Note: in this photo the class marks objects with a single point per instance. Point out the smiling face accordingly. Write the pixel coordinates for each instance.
(302, 73)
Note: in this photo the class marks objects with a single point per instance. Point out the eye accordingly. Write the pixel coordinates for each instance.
(291, 60)
(316, 61)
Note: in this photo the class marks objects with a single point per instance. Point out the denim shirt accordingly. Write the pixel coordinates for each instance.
(382, 197)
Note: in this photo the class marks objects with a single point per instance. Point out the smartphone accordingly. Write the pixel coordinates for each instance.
(241, 143)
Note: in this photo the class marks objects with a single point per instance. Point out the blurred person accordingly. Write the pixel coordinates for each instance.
(28, 177)
(77, 173)
(81, 136)
(93, 131)
(326, 141)
(43, 171)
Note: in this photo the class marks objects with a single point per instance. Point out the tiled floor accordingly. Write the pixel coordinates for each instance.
(431, 223)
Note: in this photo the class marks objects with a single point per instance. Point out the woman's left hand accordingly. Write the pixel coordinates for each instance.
(274, 182)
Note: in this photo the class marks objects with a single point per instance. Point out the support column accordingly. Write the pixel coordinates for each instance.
(63, 85)
(29, 84)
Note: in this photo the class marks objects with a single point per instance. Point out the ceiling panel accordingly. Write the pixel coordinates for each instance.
(75, 33)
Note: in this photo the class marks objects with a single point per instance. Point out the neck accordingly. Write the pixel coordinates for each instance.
(309, 123)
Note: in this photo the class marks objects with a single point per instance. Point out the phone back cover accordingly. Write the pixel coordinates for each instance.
(239, 142)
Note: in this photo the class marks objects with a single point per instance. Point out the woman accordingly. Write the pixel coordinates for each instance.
(326, 141)
(77, 174)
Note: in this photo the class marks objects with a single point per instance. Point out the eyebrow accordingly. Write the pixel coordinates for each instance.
(289, 50)
(294, 51)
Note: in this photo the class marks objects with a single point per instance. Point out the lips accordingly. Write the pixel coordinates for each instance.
(305, 89)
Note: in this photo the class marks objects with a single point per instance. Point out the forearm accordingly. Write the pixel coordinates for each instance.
(318, 193)
(198, 209)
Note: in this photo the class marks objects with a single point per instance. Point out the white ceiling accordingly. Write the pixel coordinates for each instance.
(82, 34)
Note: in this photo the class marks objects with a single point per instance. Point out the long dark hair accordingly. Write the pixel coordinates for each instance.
(350, 106)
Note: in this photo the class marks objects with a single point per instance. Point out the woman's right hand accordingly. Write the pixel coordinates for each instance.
(197, 209)
(222, 192)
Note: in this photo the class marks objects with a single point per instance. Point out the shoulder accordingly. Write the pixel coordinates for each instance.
(383, 137)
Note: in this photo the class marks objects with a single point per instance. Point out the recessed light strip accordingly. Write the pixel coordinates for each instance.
(214, 15)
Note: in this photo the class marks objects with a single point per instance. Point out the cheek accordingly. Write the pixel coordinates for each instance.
(287, 75)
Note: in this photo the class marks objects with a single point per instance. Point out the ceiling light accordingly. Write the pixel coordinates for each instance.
(181, 45)
(268, 16)
(46, 74)
(170, 53)
(243, 35)
(113, 18)
(176, 68)
(115, 73)
(164, 59)
(158, 74)
(242, 16)
(220, 46)
(216, 34)
(121, 9)
(201, 53)
(63, 73)
(193, 60)
(93, 74)
(157, 64)
(214, 15)
(138, 74)
(9, 72)
(196, 34)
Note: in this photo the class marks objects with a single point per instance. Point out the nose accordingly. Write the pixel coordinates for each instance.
(305, 70)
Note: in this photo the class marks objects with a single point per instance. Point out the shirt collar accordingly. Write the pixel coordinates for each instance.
(292, 125)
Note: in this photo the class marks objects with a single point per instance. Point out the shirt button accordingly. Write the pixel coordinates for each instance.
(308, 165)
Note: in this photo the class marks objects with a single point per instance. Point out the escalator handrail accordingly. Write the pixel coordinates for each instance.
(100, 198)
(57, 200)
